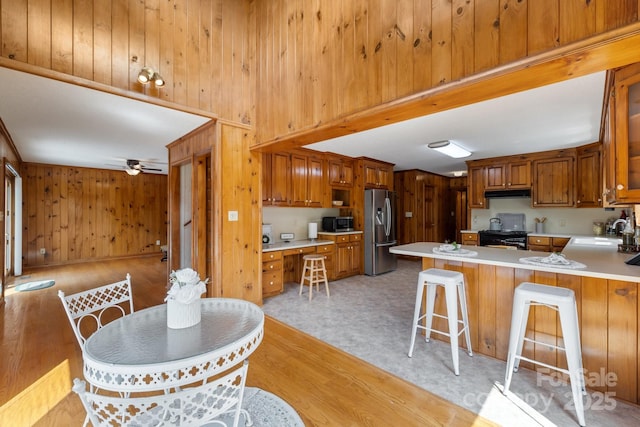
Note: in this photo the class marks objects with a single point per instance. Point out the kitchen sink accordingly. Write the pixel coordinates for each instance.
(595, 241)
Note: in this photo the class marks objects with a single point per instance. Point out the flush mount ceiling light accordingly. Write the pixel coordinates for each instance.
(449, 148)
(147, 75)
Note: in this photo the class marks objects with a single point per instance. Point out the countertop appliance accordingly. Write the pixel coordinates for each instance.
(379, 232)
(267, 237)
(511, 232)
(337, 224)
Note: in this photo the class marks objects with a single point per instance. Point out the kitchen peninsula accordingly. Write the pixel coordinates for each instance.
(606, 293)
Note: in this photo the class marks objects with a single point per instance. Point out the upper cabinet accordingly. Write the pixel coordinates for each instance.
(509, 175)
(553, 181)
(276, 179)
(476, 185)
(557, 178)
(377, 174)
(340, 171)
(623, 156)
(306, 180)
(588, 177)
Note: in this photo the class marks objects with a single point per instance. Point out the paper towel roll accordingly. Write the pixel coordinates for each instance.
(313, 230)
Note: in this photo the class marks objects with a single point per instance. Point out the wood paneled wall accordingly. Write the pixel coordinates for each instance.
(204, 49)
(80, 214)
(322, 60)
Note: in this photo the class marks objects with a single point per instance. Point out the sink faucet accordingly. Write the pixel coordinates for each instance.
(616, 222)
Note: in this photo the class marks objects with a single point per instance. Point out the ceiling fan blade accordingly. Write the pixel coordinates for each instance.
(150, 169)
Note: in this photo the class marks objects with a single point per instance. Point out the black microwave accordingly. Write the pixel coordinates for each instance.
(337, 224)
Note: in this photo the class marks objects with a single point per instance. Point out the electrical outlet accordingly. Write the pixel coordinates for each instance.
(43, 251)
(157, 242)
(233, 215)
(408, 214)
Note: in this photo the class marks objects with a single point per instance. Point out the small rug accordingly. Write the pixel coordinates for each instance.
(266, 410)
(34, 286)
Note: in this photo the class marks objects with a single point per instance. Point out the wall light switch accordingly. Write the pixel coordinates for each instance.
(233, 215)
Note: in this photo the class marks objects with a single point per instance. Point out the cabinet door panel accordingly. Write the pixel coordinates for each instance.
(280, 178)
(553, 182)
(496, 177)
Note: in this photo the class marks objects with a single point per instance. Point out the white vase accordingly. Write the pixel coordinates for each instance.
(181, 315)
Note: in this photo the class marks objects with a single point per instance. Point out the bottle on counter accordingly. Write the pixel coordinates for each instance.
(598, 228)
(637, 235)
(628, 234)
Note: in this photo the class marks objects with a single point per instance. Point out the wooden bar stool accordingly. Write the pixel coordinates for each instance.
(453, 283)
(314, 272)
(562, 300)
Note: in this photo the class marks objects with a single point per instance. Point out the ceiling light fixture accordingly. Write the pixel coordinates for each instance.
(133, 172)
(449, 148)
(147, 75)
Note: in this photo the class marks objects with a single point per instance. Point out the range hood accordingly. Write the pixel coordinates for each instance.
(505, 194)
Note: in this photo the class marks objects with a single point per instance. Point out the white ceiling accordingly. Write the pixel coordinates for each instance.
(59, 123)
(561, 115)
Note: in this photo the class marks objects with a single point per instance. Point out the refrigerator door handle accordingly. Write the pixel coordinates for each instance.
(386, 244)
(387, 226)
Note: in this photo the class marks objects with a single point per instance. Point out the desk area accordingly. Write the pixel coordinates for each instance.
(138, 352)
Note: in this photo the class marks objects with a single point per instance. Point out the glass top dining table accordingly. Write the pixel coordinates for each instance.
(138, 352)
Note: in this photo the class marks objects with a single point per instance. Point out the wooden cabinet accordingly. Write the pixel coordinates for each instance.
(588, 177)
(377, 174)
(510, 175)
(553, 181)
(476, 184)
(626, 143)
(293, 179)
(276, 179)
(307, 186)
(348, 254)
(328, 251)
(339, 171)
(546, 243)
(272, 279)
(470, 239)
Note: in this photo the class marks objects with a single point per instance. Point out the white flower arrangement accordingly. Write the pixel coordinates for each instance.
(186, 286)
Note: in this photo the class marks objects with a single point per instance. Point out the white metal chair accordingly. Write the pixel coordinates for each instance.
(94, 303)
(194, 406)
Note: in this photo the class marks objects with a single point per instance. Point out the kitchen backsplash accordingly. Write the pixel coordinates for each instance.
(559, 220)
(295, 220)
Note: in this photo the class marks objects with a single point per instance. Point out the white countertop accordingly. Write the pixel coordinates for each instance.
(296, 244)
(603, 263)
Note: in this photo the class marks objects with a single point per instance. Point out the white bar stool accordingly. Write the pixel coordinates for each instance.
(314, 272)
(453, 283)
(562, 300)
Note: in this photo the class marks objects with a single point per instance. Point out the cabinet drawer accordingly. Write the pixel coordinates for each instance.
(342, 238)
(324, 249)
(270, 256)
(559, 241)
(272, 266)
(539, 241)
(470, 238)
(271, 283)
(355, 237)
(299, 251)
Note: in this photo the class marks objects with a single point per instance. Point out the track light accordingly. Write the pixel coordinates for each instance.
(449, 148)
(147, 75)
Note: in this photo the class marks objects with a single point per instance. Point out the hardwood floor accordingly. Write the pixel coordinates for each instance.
(40, 357)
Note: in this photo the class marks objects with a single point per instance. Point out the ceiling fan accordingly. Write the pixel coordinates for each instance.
(134, 167)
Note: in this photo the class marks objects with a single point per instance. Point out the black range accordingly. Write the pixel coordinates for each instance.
(513, 238)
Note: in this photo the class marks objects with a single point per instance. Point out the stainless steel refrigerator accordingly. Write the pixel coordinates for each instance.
(379, 232)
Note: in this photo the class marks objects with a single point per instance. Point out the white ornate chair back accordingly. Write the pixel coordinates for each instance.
(94, 303)
(193, 406)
